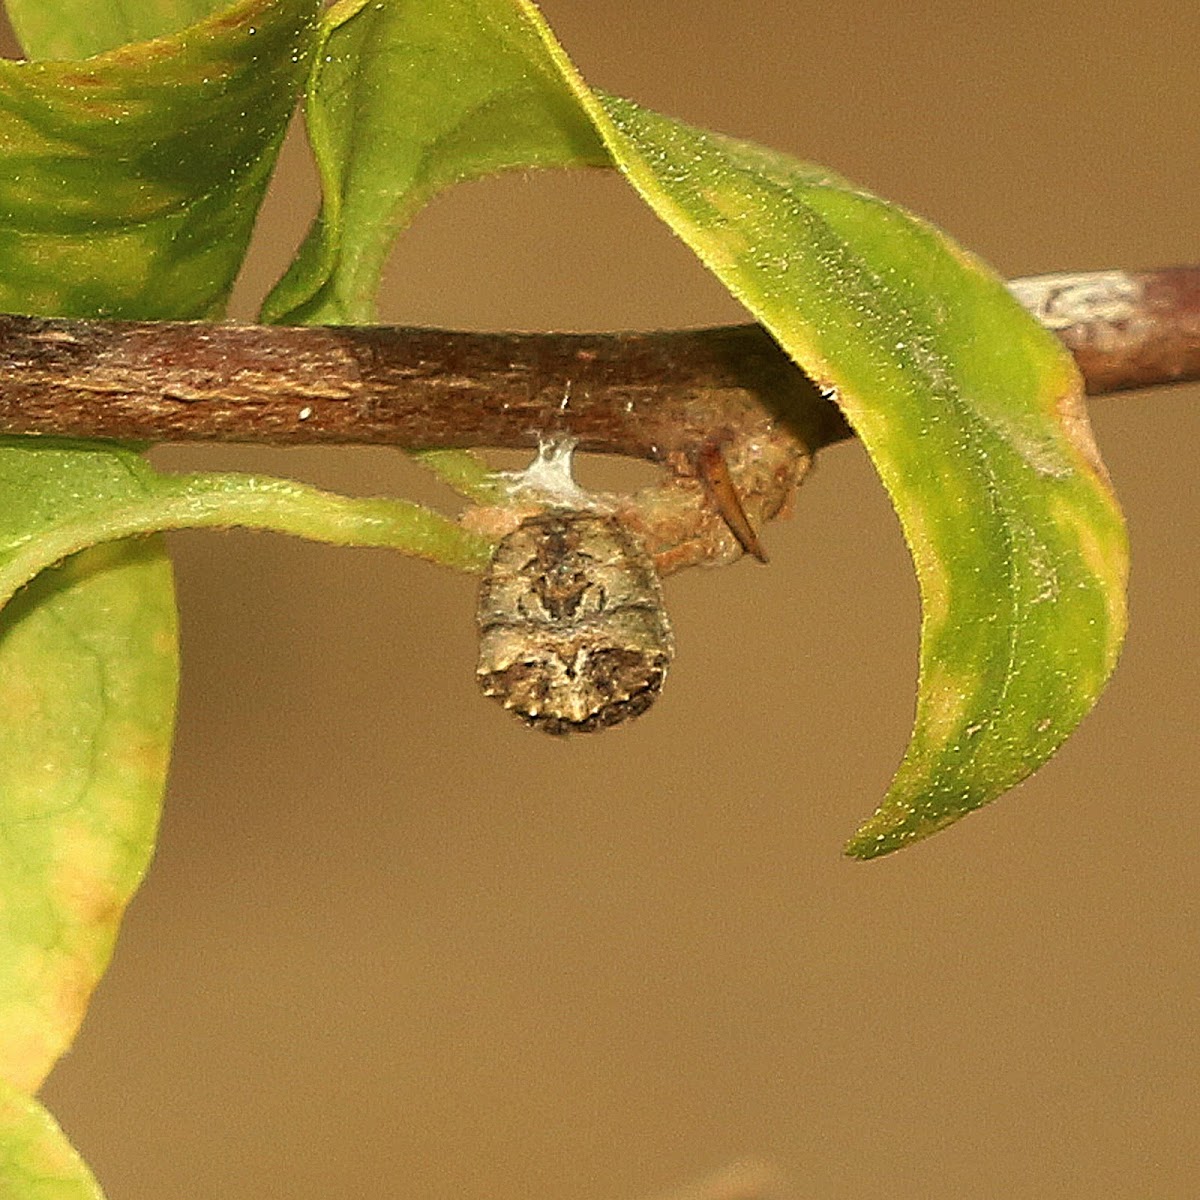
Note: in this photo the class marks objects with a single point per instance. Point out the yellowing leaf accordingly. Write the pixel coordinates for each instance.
(972, 413)
(87, 685)
(36, 1161)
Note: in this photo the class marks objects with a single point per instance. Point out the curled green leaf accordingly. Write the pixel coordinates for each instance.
(972, 413)
(405, 100)
(89, 493)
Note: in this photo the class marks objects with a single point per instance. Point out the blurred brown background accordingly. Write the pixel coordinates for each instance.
(395, 944)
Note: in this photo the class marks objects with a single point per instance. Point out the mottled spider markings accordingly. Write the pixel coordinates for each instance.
(572, 632)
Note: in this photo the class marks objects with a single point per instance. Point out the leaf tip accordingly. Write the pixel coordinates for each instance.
(867, 843)
(895, 826)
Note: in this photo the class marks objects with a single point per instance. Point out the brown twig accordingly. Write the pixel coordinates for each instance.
(639, 394)
(1126, 329)
(647, 395)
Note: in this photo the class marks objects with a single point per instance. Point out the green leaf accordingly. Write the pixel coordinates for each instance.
(974, 417)
(405, 100)
(57, 497)
(87, 658)
(80, 28)
(36, 1161)
(88, 672)
(87, 665)
(972, 413)
(130, 183)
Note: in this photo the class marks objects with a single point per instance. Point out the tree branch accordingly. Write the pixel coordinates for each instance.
(648, 395)
(639, 394)
(1126, 329)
